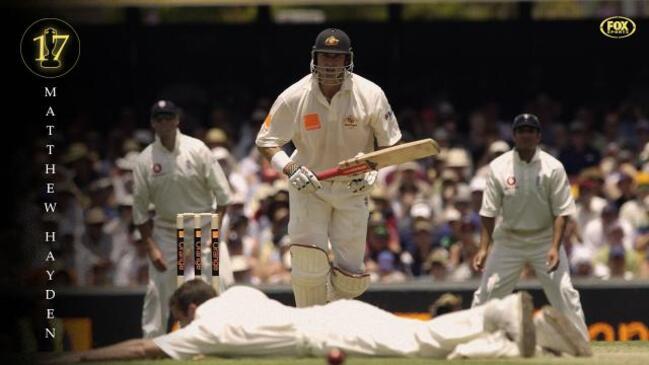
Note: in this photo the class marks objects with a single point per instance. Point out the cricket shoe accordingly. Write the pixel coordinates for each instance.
(555, 333)
(513, 314)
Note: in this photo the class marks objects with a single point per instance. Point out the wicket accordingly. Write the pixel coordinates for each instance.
(198, 233)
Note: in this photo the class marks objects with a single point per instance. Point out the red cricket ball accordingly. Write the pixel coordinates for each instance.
(336, 356)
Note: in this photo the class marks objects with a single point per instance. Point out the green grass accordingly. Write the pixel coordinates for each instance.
(626, 353)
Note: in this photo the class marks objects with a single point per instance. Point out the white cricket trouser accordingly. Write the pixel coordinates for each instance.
(155, 311)
(334, 214)
(510, 252)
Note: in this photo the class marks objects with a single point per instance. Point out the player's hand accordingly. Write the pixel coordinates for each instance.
(156, 257)
(479, 260)
(304, 179)
(552, 260)
(363, 182)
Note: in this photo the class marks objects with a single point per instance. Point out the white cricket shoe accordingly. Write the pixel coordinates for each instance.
(555, 333)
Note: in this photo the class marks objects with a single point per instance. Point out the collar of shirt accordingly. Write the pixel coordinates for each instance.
(159, 144)
(536, 157)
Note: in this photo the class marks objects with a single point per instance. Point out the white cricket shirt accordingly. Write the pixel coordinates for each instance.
(326, 133)
(186, 180)
(243, 321)
(527, 195)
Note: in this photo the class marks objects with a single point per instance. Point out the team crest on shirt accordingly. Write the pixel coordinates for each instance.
(511, 181)
(350, 121)
(157, 168)
(388, 115)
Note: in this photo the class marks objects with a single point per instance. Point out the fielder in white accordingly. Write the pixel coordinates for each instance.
(177, 174)
(244, 322)
(330, 115)
(529, 190)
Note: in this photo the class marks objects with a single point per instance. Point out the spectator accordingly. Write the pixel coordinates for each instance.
(422, 245)
(387, 268)
(579, 154)
(458, 160)
(589, 206)
(466, 248)
(581, 262)
(636, 210)
(132, 269)
(613, 259)
(496, 149)
(435, 265)
(595, 232)
(94, 253)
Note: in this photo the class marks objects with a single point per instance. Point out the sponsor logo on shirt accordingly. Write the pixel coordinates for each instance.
(350, 121)
(311, 121)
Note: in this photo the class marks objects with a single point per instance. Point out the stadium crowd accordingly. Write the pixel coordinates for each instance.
(424, 222)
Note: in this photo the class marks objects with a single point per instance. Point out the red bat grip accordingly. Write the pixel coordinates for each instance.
(328, 173)
(337, 171)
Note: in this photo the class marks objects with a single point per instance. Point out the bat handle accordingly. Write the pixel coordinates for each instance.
(328, 173)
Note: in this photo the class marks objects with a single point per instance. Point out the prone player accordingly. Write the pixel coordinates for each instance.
(244, 322)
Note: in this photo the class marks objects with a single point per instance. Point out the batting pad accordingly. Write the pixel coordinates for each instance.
(346, 285)
(310, 269)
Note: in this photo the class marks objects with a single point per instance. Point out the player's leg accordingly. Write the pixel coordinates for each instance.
(307, 229)
(155, 311)
(502, 269)
(556, 333)
(558, 287)
(348, 235)
(457, 331)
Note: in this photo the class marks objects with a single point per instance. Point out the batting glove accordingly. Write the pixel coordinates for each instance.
(363, 182)
(304, 179)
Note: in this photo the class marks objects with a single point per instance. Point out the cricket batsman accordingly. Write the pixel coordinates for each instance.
(330, 115)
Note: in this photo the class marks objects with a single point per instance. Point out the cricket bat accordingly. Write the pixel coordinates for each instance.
(386, 157)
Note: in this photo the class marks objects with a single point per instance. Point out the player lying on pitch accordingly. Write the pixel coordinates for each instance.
(244, 322)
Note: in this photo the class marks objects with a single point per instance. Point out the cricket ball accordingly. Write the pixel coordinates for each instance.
(336, 356)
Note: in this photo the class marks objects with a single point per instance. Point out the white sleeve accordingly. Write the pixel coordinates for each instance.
(141, 197)
(184, 343)
(216, 180)
(278, 127)
(492, 197)
(384, 123)
(560, 195)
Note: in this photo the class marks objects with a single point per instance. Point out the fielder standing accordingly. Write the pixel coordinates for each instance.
(177, 174)
(330, 115)
(529, 190)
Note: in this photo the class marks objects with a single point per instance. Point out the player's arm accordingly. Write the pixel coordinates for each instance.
(486, 232)
(141, 219)
(491, 205)
(562, 207)
(272, 152)
(127, 350)
(384, 123)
